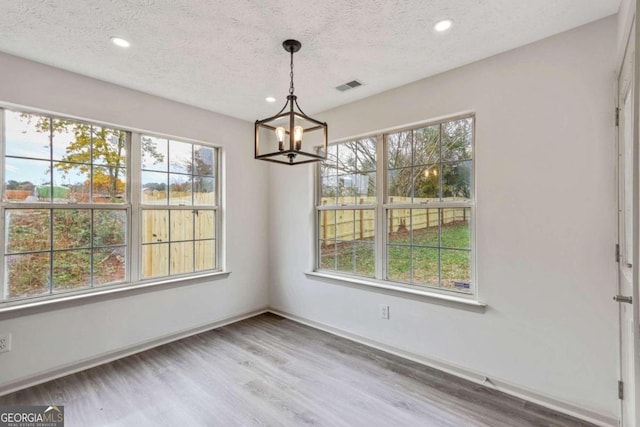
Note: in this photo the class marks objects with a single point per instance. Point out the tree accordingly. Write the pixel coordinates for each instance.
(420, 162)
(202, 169)
(349, 169)
(94, 150)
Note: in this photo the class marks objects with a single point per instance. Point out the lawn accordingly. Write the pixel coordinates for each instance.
(453, 256)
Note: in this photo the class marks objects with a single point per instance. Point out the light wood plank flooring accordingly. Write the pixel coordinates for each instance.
(270, 371)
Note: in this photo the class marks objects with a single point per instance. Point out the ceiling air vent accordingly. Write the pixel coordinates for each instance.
(349, 85)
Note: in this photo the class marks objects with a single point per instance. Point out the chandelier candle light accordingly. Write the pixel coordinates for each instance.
(282, 135)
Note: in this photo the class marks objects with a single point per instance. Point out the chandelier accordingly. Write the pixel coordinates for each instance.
(291, 137)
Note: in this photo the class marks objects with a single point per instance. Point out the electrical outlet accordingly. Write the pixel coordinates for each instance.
(5, 342)
(384, 312)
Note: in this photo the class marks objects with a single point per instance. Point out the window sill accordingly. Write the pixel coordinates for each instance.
(22, 307)
(401, 291)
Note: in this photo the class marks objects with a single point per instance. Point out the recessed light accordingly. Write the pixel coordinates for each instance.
(443, 25)
(270, 99)
(120, 42)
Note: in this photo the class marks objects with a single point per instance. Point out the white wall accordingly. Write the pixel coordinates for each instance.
(546, 223)
(60, 337)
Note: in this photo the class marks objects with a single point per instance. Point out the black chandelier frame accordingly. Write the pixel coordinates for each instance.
(293, 112)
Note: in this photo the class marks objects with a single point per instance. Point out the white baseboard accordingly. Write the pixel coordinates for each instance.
(503, 386)
(71, 368)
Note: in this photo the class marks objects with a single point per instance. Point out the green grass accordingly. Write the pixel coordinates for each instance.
(453, 256)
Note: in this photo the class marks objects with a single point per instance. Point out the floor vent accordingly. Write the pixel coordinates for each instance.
(349, 85)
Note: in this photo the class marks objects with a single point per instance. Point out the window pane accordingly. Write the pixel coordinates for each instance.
(204, 190)
(399, 225)
(204, 160)
(327, 254)
(329, 176)
(365, 190)
(155, 260)
(109, 147)
(425, 266)
(456, 232)
(456, 140)
(332, 156)
(426, 147)
(424, 227)
(71, 228)
(181, 225)
(27, 175)
(399, 263)
(71, 270)
(400, 185)
(346, 257)
(180, 189)
(155, 226)
(205, 255)
(456, 269)
(347, 189)
(356, 188)
(456, 181)
(27, 275)
(27, 230)
(426, 184)
(366, 155)
(399, 150)
(328, 184)
(365, 224)
(205, 225)
(27, 135)
(109, 265)
(181, 258)
(71, 141)
(365, 259)
(109, 184)
(347, 158)
(154, 188)
(327, 225)
(109, 227)
(154, 153)
(180, 157)
(70, 183)
(345, 225)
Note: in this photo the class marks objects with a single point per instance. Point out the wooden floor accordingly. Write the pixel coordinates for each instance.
(270, 371)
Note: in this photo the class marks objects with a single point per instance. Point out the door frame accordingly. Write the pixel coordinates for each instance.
(629, 381)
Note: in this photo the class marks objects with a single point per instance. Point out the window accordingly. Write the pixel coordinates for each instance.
(178, 207)
(347, 215)
(72, 222)
(415, 226)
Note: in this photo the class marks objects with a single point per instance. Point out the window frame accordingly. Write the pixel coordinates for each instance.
(132, 205)
(382, 208)
(140, 207)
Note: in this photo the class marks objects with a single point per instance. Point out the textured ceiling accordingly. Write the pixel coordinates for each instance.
(226, 56)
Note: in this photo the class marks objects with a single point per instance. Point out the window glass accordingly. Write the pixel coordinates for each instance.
(347, 236)
(428, 210)
(68, 217)
(180, 176)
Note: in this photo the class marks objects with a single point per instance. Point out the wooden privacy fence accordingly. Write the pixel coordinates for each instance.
(349, 224)
(183, 255)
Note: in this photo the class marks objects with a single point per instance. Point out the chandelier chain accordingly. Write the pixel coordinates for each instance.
(291, 88)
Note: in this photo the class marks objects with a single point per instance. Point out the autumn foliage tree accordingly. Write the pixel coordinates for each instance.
(98, 153)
